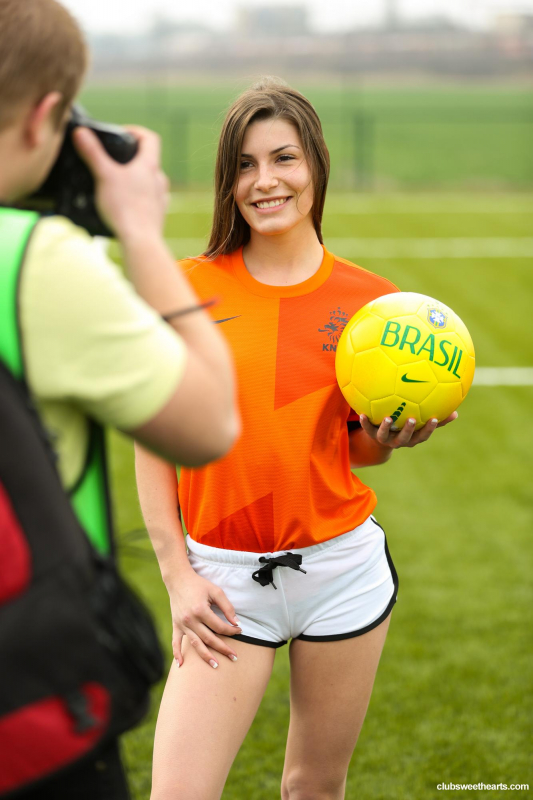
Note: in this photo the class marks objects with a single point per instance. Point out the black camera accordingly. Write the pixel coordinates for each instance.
(69, 188)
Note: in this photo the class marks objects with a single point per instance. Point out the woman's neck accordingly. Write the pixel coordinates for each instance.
(285, 259)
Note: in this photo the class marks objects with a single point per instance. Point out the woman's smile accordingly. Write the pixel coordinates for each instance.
(268, 206)
(274, 192)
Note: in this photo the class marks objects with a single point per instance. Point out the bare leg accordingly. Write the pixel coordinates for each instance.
(331, 684)
(204, 716)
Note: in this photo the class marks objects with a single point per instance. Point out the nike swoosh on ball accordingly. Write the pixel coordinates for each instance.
(405, 379)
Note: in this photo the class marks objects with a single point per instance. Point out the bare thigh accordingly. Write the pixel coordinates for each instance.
(331, 684)
(204, 716)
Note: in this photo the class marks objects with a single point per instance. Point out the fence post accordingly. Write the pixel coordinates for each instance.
(364, 151)
(179, 144)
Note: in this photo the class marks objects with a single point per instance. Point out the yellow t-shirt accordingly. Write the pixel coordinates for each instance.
(91, 346)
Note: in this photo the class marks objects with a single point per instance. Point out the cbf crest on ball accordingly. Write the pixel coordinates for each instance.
(405, 355)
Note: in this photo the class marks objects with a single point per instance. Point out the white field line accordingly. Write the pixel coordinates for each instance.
(202, 202)
(453, 247)
(483, 376)
(503, 376)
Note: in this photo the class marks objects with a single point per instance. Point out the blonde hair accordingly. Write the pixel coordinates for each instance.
(270, 98)
(43, 50)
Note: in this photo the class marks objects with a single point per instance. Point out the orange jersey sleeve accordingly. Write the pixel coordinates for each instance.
(287, 482)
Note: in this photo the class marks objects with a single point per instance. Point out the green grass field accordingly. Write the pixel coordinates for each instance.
(452, 701)
(393, 139)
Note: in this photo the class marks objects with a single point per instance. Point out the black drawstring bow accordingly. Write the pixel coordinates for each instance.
(264, 575)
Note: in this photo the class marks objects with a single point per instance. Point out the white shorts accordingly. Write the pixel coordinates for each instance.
(333, 590)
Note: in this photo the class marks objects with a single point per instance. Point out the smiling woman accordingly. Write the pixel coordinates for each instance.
(274, 195)
(268, 125)
(270, 178)
(282, 542)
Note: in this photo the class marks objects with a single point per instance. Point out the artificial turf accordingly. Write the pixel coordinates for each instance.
(452, 700)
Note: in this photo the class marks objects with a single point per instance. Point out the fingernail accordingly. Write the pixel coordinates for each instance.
(388, 420)
(213, 663)
(236, 622)
(233, 658)
(434, 421)
(411, 421)
(177, 663)
(361, 417)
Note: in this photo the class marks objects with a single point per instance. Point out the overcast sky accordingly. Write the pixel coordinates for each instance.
(127, 16)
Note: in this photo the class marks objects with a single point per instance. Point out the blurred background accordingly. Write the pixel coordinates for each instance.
(412, 93)
(427, 109)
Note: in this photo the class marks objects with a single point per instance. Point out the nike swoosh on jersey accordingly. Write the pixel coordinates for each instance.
(218, 321)
(405, 379)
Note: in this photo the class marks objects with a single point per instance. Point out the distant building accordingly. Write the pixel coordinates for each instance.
(273, 21)
(514, 24)
(514, 35)
(392, 15)
(279, 39)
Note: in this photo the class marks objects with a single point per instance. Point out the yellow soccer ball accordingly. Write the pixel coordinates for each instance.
(405, 355)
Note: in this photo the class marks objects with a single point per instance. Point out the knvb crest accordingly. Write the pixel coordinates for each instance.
(337, 322)
(437, 318)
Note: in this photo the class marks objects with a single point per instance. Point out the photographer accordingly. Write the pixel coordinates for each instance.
(93, 347)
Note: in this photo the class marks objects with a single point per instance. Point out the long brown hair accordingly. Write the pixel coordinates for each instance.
(43, 50)
(270, 98)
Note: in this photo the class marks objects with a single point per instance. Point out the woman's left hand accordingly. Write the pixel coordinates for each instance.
(407, 437)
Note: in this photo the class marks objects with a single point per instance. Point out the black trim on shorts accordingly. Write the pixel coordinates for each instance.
(336, 637)
(262, 642)
(241, 637)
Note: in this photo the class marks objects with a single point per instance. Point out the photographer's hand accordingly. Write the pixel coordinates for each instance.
(133, 196)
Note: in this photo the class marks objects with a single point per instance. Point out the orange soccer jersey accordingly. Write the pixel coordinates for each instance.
(287, 482)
